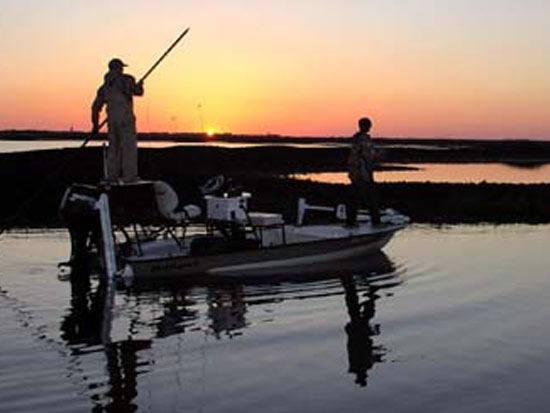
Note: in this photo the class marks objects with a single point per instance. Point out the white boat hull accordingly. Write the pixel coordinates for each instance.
(318, 246)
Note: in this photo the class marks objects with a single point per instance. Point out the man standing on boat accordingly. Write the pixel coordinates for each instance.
(361, 162)
(117, 93)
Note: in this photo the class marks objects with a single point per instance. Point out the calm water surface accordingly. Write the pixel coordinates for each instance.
(448, 172)
(451, 319)
(432, 172)
(23, 146)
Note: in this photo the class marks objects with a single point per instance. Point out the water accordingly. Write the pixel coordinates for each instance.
(449, 173)
(23, 146)
(424, 172)
(453, 319)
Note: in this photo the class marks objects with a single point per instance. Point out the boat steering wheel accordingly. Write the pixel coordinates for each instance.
(213, 185)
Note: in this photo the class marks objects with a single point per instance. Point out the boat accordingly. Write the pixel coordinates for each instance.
(140, 234)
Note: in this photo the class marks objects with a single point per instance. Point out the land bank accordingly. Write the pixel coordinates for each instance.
(34, 181)
(395, 149)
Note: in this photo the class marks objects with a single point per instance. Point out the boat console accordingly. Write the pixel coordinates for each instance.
(231, 216)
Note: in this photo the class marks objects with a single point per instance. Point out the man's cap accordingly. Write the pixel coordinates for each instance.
(116, 63)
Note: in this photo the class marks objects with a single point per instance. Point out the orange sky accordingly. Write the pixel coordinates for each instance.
(420, 68)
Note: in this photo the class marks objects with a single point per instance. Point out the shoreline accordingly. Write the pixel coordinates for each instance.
(40, 174)
(393, 150)
(31, 134)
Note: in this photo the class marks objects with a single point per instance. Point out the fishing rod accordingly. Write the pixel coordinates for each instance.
(93, 134)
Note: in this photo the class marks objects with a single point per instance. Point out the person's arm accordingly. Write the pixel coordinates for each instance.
(354, 157)
(97, 105)
(138, 88)
(132, 87)
(369, 151)
(374, 153)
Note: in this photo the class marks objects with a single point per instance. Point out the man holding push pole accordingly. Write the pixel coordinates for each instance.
(117, 92)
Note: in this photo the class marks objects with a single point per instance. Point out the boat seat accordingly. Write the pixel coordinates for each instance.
(167, 204)
(265, 219)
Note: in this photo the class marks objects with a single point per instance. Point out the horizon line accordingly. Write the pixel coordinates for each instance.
(269, 135)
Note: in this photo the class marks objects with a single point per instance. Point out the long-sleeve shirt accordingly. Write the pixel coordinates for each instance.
(117, 93)
(362, 157)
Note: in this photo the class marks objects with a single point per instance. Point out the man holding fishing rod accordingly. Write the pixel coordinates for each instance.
(117, 93)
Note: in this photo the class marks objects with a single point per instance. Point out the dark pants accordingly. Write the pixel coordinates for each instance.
(363, 193)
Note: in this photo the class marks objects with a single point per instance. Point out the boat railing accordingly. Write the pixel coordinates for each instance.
(340, 213)
(339, 210)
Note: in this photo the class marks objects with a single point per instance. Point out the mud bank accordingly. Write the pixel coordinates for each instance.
(34, 183)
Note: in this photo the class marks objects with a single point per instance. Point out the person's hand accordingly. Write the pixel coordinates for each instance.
(138, 89)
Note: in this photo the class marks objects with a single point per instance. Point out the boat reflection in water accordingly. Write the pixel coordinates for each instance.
(86, 328)
(146, 315)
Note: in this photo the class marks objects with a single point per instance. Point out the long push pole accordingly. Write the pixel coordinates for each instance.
(160, 59)
(94, 133)
(145, 76)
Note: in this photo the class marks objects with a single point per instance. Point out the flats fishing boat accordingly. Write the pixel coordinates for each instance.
(139, 233)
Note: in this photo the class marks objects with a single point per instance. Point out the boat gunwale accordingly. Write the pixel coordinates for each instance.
(387, 230)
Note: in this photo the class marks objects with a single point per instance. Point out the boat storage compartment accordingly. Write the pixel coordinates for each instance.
(227, 208)
(269, 228)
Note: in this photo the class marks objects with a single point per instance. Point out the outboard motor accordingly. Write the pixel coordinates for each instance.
(77, 209)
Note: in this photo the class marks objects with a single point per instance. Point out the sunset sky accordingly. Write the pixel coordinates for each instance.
(419, 68)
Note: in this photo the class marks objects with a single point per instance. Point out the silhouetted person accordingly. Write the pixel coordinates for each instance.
(117, 93)
(361, 162)
(362, 353)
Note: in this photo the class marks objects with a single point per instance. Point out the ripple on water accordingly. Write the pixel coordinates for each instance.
(444, 313)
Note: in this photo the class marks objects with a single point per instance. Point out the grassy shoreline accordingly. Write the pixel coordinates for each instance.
(40, 175)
